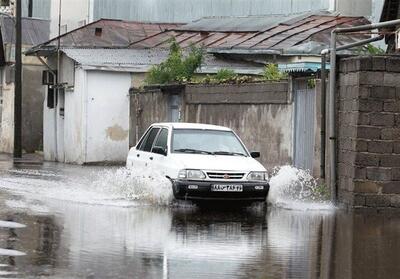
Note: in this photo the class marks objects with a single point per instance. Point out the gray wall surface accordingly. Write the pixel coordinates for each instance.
(369, 132)
(40, 9)
(261, 114)
(189, 10)
(32, 108)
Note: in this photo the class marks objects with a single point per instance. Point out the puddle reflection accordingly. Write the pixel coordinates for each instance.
(82, 241)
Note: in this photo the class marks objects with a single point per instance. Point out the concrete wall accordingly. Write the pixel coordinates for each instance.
(261, 114)
(107, 116)
(92, 116)
(32, 100)
(369, 132)
(73, 12)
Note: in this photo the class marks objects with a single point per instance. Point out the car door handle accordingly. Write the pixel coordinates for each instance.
(151, 158)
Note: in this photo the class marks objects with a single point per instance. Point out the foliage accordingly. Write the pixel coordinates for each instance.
(311, 83)
(271, 72)
(176, 68)
(370, 49)
(225, 75)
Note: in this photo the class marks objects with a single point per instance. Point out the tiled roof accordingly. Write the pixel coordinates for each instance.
(276, 38)
(107, 33)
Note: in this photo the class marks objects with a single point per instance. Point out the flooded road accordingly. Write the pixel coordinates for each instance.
(59, 221)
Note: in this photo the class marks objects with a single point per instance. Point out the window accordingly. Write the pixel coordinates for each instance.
(142, 139)
(162, 139)
(52, 97)
(148, 142)
(208, 141)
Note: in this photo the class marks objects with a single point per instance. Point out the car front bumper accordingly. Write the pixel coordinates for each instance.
(252, 191)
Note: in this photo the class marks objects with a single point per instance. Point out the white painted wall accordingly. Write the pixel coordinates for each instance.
(95, 125)
(72, 12)
(74, 124)
(7, 120)
(107, 116)
(49, 143)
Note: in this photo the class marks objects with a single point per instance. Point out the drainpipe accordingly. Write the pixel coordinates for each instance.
(332, 119)
(323, 113)
(332, 88)
(324, 53)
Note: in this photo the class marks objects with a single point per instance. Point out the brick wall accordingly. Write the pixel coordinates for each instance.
(369, 132)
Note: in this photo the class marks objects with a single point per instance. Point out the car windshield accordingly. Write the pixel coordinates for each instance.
(207, 142)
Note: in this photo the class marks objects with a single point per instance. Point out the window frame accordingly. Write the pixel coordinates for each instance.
(147, 136)
(156, 139)
(247, 152)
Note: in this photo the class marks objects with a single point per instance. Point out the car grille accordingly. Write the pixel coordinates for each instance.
(225, 175)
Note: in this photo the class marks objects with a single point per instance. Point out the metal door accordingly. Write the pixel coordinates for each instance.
(174, 108)
(304, 127)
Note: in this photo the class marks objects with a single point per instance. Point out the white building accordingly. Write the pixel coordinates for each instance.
(76, 13)
(34, 31)
(90, 121)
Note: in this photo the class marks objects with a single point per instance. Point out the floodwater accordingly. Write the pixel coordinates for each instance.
(59, 221)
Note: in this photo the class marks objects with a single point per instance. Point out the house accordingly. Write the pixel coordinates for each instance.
(34, 31)
(75, 14)
(87, 120)
(391, 11)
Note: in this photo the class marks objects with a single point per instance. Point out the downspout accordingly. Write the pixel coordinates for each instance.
(332, 119)
(324, 54)
(323, 113)
(332, 88)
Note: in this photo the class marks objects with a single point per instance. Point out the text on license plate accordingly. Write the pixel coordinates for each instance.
(226, 188)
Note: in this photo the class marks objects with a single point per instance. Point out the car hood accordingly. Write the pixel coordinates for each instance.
(218, 162)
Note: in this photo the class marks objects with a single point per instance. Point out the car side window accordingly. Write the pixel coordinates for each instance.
(162, 139)
(148, 143)
(140, 144)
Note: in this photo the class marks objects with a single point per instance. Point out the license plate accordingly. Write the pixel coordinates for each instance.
(226, 188)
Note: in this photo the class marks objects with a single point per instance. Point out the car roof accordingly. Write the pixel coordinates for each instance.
(182, 125)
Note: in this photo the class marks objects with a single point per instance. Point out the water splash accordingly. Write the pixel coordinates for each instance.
(294, 188)
(131, 185)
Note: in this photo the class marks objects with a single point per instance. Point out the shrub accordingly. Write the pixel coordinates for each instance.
(225, 75)
(271, 72)
(176, 68)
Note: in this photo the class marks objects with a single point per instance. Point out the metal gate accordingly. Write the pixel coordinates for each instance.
(304, 125)
(174, 108)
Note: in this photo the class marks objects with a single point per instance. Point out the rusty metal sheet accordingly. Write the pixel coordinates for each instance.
(114, 33)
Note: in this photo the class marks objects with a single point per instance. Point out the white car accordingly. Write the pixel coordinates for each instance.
(203, 162)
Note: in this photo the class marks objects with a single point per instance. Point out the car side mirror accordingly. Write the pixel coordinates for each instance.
(160, 150)
(255, 154)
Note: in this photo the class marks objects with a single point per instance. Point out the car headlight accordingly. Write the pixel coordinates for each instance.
(191, 174)
(257, 176)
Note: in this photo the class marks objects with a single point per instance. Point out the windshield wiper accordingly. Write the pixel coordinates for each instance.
(228, 153)
(190, 150)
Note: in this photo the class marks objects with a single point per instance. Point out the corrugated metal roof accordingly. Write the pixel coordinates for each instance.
(235, 24)
(302, 67)
(106, 33)
(141, 60)
(189, 10)
(279, 37)
(34, 31)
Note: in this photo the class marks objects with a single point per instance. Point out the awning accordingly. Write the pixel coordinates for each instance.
(302, 67)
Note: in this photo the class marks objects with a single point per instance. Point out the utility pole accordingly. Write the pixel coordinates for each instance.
(18, 84)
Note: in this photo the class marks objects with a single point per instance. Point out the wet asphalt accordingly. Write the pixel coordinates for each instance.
(55, 224)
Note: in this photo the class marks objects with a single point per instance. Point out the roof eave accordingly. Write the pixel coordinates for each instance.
(243, 51)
